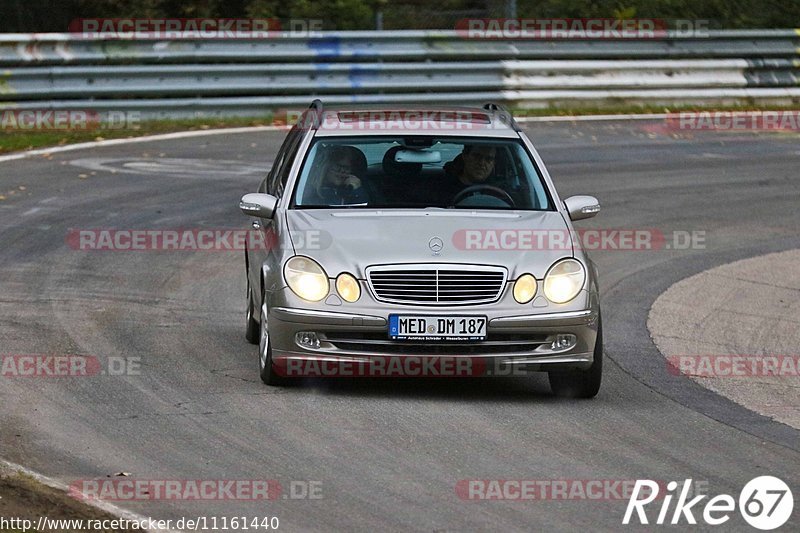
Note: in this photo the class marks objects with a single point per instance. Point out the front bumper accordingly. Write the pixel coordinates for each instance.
(518, 337)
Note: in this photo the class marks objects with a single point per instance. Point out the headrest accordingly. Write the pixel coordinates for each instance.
(394, 169)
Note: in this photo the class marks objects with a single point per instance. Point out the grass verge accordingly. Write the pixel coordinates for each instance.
(24, 498)
(20, 140)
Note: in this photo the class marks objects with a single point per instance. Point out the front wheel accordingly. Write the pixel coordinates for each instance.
(581, 383)
(266, 368)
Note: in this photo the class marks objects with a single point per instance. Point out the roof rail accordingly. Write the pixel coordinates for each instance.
(504, 113)
(317, 109)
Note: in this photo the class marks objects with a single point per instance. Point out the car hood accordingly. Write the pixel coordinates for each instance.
(351, 240)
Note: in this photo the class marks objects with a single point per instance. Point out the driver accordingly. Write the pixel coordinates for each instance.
(472, 167)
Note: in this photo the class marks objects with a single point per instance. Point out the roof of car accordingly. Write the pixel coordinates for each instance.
(450, 121)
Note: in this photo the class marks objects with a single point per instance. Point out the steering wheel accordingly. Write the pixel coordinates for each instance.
(488, 190)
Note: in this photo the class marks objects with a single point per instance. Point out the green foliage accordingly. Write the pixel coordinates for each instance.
(49, 15)
(728, 14)
(335, 14)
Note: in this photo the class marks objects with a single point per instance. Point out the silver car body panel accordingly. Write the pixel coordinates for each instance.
(357, 239)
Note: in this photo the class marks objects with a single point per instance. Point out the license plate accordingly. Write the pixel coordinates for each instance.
(437, 328)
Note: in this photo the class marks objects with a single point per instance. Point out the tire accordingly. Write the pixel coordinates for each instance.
(266, 369)
(581, 383)
(252, 331)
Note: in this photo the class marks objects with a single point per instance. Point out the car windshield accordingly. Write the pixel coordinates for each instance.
(419, 172)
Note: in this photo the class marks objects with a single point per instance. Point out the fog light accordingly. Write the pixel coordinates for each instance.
(307, 339)
(564, 341)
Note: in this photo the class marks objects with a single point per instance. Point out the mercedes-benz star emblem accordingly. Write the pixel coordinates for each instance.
(436, 245)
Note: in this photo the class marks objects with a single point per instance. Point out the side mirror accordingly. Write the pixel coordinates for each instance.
(580, 207)
(258, 205)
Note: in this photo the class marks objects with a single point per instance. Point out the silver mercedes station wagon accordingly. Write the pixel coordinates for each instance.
(419, 242)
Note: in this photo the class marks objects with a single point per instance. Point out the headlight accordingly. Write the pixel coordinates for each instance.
(524, 288)
(564, 281)
(306, 278)
(347, 287)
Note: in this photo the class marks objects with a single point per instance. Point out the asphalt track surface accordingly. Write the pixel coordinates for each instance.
(388, 453)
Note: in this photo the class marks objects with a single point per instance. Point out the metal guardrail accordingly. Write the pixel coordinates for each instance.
(40, 49)
(192, 76)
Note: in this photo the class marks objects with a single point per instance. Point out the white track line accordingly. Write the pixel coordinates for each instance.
(59, 485)
(132, 140)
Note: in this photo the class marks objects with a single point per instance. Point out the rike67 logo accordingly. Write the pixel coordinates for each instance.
(765, 503)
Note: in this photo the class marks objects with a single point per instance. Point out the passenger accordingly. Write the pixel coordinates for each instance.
(338, 180)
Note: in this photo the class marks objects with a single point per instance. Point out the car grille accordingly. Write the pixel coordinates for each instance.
(436, 284)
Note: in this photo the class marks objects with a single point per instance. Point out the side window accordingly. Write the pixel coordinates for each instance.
(263, 188)
(266, 184)
(278, 182)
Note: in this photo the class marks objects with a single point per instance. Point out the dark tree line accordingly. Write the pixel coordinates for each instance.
(55, 15)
